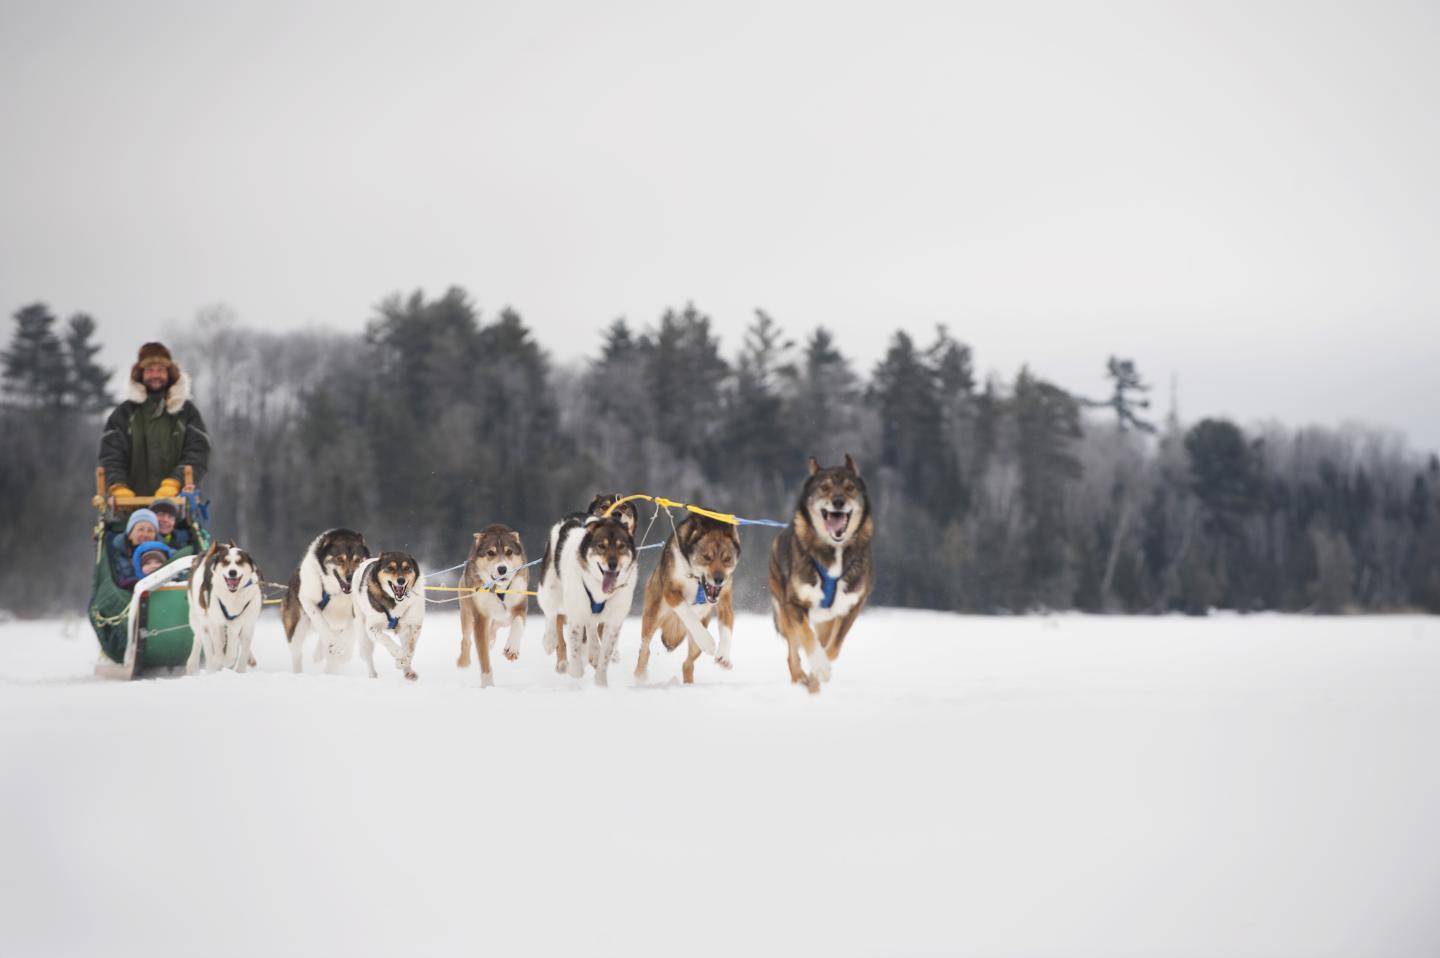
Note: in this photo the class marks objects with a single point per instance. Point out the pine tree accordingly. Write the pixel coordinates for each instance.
(756, 435)
(683, 375)
(86, 388)
(34, 365)
(907, 396)
(1126, 379)
(1047, 425)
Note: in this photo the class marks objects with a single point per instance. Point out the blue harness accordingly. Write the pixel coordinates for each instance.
(699, 593)
(393, 622)
(828, 583)
(595, 607)
(324, 600)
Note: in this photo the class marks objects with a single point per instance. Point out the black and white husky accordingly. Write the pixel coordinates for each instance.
(320, 598)
(586, 588)
(225, 601)
(389, 599)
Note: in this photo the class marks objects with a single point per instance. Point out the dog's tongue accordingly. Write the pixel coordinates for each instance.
(607, 581)
(835, 522)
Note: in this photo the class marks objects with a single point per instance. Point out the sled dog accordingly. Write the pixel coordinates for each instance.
(225, 601)
(587, 584)
(495, 560)
(320, 597)
(625, 512)
(693, 581)
(389, 598)
(820, 569)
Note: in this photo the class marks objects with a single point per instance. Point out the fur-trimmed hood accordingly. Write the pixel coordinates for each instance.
(175, 397)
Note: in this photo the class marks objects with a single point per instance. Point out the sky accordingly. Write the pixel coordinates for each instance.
(1241, 197)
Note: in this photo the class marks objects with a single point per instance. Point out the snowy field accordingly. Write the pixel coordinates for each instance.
(1257, 786)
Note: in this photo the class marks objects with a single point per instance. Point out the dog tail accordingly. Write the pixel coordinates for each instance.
(672, 632)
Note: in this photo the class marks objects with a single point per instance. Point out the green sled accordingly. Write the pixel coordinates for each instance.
(163, 637)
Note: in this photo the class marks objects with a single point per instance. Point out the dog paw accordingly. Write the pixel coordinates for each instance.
(812, 684)
(411, 675)
(511, 653)
(723, 661)
(641, 676)
(576, 667)
(486, 680)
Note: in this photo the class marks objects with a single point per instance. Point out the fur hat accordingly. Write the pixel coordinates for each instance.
(139, 516)
(137, 558)
(154, 354)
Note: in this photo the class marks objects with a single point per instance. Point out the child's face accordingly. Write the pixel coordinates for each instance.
(167, 523)
(143, 532)
(151, 562)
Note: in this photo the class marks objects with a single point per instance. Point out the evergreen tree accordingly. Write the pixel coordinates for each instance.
(1047, 425)
(756, 436)
(34, 365)
(684, 373)
(1225, 472)
(1126, 380)
(906, 393)
(86, 388)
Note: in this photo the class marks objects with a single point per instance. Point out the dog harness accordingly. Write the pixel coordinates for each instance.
(595, 607)
(828, 583)
(393, 622)
(324, 600)
(228, 616)
(699, 593)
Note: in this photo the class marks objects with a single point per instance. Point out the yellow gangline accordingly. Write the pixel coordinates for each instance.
(664, 503)
(455, 588)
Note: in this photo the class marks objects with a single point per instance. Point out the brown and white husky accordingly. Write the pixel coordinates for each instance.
(820, 569)
(691, 585)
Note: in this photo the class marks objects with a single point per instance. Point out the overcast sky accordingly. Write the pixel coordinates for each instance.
(1244, 196)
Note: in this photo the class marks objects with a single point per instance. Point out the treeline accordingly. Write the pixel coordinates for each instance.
(992, 497)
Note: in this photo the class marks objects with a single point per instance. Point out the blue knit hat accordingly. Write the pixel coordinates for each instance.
(142, 515)
(142, 549)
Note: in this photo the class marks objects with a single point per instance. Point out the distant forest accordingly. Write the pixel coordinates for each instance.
(1002, 496)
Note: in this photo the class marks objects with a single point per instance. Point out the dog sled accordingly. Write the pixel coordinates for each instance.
(145, 630)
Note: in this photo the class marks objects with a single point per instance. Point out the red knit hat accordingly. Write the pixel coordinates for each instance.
(153, 354)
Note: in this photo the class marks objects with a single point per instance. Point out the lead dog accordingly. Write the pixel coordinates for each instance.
(820, 569)
(320, 597)
(693, 582)
(495, 562)
(586, 588)
(389, 598)
(225, 601)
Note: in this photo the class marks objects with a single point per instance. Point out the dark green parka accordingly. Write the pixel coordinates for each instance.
(151, 438)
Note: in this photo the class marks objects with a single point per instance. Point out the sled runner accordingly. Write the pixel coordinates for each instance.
(146, 630)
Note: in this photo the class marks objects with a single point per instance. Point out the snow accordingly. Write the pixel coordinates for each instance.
(1048, 786)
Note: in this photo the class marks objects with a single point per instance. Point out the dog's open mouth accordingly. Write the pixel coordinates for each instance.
(608, 578)
(712, 591)
(835, 523)
(399, 588)
(233, 584)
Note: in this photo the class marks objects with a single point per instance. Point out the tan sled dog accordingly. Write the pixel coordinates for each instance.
(693, 580)
(820, 569)
(494, 563)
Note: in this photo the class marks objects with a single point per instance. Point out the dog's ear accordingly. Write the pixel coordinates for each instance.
(814, 466)
(477, 537)
(514, 539)
(850, 464)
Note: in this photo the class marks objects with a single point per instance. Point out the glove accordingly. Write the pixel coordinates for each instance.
(168, 489)
(122, 491)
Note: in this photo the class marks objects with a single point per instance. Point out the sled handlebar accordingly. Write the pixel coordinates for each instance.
(117, 503)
